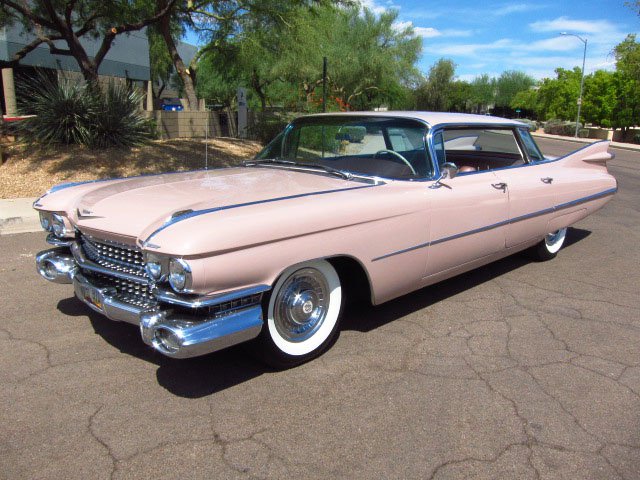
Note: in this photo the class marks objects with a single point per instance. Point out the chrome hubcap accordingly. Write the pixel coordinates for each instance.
(301, 305)
(552, 238)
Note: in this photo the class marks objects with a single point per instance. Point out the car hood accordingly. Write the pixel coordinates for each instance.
(137, 207)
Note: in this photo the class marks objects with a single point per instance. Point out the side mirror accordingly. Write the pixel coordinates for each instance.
(449, 170)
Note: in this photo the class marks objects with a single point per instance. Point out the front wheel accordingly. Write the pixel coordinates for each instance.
(302, 314)
(549, 247)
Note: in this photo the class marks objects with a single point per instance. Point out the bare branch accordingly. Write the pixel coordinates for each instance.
(24, 51)
(28, 13)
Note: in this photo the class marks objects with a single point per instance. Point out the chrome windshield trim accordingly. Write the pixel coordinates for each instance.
(205, 211)
(526, 216)
(87, 264)
(167, 296)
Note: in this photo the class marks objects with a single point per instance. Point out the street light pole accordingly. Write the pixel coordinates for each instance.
(584, 58)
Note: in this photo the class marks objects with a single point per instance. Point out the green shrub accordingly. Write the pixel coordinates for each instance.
(76, 112)
(118, 120)
(61, 111)
(636, 138)
(561, 127)
(353, 134)
(582, 133)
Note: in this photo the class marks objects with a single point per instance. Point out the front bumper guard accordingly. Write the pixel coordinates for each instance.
(168, 331)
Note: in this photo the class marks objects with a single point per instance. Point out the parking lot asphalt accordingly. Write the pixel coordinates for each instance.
(516, 370)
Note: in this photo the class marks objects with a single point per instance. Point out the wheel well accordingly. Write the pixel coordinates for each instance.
(353, 278)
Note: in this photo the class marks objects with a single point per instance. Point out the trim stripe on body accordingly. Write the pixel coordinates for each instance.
(561, 206)
(197, 213)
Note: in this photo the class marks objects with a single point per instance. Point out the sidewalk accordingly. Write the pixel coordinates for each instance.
(18, 216)
(624, 146)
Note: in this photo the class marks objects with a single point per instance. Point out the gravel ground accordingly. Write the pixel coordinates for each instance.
(30, 171)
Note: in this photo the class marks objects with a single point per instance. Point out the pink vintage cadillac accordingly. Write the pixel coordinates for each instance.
(267, 251)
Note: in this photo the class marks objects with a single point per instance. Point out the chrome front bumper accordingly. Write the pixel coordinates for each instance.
(165, 329)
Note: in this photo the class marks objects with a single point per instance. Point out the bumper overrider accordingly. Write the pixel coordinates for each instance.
(178, 326)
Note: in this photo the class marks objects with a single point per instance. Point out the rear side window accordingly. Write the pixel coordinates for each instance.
(480, 149)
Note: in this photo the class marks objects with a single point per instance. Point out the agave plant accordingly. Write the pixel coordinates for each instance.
(86, 114)
(61, 108)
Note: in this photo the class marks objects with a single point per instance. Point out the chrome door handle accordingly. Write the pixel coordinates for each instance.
(500, 186)
(547, 180)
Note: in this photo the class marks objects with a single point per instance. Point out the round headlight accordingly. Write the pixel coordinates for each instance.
(57, 224)
(179, 274)
(45, 221)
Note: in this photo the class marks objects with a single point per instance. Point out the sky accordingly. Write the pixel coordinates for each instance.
(494, 36)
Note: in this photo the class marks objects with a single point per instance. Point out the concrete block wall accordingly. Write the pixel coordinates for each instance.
(190, 124)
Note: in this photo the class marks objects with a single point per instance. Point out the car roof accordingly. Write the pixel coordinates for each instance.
(433, 119)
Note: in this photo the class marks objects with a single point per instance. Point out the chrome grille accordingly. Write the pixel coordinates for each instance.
(120, 258)
(114, 256)
(133, 293)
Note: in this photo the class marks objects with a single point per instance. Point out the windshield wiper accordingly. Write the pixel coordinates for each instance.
(279, 161)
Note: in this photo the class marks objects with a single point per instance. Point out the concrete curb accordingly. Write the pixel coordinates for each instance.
(18, 216)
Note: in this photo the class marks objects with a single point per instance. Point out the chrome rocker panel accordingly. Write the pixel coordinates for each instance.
(172, 334)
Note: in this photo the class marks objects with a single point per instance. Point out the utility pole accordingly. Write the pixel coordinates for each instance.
(584, 58)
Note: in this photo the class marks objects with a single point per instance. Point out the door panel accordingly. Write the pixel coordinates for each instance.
(468, 220)
(532, 197)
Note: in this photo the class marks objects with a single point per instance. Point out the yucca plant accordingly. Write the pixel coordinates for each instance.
(85, 114)
(62, 111)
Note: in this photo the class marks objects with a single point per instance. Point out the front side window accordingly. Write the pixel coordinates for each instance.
(374, 146)
(479, 149)
(530, 146)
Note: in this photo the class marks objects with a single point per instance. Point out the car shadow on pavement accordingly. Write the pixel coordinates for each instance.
(369, 318)
(206, 375)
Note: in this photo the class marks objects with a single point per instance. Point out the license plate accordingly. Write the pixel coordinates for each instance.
(92, 296)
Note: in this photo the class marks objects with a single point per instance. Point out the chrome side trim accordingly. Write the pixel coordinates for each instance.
(205, 211)
(86, 264)
(538, 213)
(167, 296)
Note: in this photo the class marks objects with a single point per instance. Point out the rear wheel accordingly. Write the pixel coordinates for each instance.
(549, 247)
(302, 314)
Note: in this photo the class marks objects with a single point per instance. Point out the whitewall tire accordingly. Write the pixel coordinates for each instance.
(549, 247)
(302, 314)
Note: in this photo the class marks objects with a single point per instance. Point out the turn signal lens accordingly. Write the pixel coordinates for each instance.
(45, 221)
(57, 225)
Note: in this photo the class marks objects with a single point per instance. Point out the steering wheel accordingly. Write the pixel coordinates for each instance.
(397, 155)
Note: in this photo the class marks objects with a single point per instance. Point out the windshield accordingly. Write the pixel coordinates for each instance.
(374, 146)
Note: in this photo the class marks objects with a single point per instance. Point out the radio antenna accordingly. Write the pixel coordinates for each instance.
(206, 143)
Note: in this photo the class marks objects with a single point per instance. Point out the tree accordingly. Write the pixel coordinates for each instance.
(527, 101)
(370, 61)
(600, 98)
(434, 94)
(160, 61)
(67, 22)
(460, 96)
(509, 84)
(482, 92)
(557, 98)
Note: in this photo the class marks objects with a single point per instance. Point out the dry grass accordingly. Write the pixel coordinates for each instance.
(29, 171)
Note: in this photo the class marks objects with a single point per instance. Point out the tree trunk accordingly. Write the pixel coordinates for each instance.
(185, 74)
